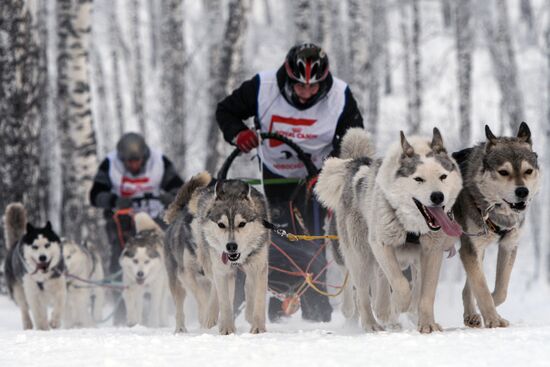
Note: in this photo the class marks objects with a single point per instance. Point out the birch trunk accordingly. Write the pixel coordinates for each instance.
(79, 144)
(172, 80)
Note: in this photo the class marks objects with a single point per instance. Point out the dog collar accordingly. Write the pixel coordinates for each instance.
(495, 229)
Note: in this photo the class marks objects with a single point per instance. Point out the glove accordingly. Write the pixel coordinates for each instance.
(166, 198)
(123, 203)
(246, 140)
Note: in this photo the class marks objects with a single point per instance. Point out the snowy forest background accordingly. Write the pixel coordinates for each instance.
(75, 75)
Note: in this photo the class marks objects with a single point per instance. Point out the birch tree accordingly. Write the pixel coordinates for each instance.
(357, 41)
(78, 140)
(496, 24)
(304, 24)
(21, 87)
(227, 62)
(464, 34)
(137, 66)
(373, 66)
(172, 47)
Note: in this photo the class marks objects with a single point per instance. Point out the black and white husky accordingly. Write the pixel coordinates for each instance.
(34, 269)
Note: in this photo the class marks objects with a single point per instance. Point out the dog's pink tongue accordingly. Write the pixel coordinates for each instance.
(450, 227)
(224, 257)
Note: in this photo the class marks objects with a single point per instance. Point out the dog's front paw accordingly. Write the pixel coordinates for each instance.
(55, 323)
(429, 327)
(227, 328)
(27, 324)
(371, 327)
(257, 329)
(495, 321)
(209, 321)
(472, 320)
(180, 330)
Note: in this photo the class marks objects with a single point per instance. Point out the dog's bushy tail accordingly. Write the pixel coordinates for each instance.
(144, 222)
(184, 195)
(331, 182)
(357, 143)
(15, 223)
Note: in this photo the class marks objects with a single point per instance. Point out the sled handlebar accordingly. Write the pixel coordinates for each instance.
(304, 157)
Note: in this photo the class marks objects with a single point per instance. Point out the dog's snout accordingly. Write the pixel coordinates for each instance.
(437, 197)
(231, 247)
(522, 192)
(140, 274)
(42, 258)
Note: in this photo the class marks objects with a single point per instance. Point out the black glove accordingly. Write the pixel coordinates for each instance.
(123, 203)
(166, 198)
(105, 200)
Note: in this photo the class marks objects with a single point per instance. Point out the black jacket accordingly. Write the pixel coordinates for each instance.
(243, 104)
(102, 197)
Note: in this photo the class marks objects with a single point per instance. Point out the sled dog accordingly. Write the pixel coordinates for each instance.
(34, 269)
(84, 301)
(216, 229)
(393, 213)
(501, 177)
(143, 272)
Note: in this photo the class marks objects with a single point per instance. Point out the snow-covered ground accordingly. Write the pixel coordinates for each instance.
(295, 342)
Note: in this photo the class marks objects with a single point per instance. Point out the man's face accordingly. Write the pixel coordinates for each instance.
(133, 165)
(305, 91)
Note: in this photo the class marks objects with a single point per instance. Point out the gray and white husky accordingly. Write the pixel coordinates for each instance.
(34, 269)
(377, 204)
(214, 231)
(143, 272)
(501, 177)
(84, 301)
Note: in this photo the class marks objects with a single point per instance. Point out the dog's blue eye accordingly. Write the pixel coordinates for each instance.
(503, 172)
(242, 224)
(34, 247)
(47, 245)
(221, 225)
(135, 261)
(442, 177)
(529, 171)
(419, 179)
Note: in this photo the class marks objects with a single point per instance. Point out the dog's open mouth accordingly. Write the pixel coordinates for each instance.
(436, 218)
(43, 265)
(234, 256)
(519, 206)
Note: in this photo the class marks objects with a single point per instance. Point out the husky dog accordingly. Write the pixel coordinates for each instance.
(84, 301)
(142, 263)
(501, 177)
(34, 269)
(216, 230)
(378, 205)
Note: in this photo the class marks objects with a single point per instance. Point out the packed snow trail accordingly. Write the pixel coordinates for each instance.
(293, 343)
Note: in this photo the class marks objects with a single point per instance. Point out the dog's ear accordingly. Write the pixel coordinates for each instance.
(218, 189)
(30, 228)
(245, 193)
(491, 138)
(524, 134)
(437, 142)
(407, 148)
(48, 226)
